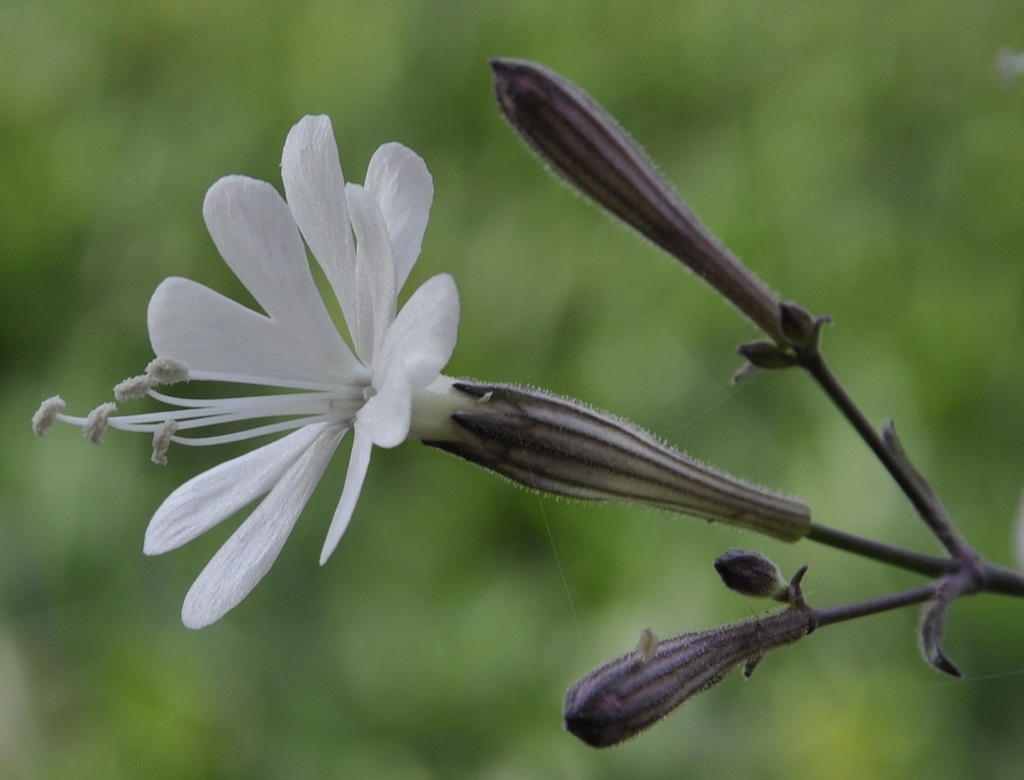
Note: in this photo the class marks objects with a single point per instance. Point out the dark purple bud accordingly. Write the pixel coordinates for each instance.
(631, 693)
(560, 446)
(753, 574)
(588, 148)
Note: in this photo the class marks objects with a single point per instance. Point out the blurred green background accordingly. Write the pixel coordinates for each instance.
(862, 157)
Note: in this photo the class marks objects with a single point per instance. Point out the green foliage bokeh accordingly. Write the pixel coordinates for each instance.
(862, 157)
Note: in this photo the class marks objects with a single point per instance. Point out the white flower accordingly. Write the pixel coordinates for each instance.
(389, 384)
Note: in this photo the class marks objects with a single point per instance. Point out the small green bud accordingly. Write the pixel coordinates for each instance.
(767, 354)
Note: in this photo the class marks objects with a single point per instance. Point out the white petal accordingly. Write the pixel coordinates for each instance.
(399, 180)
(358, 463)
(387, 416)
(210, 332)
(421, 339)
(417, 345)
(315, 188)
(250, 552)
(375, 274)
(207, 499)
(256, 235)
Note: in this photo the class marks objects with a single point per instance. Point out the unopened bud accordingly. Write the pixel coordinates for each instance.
(801, 328)
(559, 446)
(588, 148)
(753, 574)
(631, 693)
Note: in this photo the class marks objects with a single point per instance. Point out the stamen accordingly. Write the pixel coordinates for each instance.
(133, 387)
(204, 416)
(270, 402)
(320, 403)
(162, 441)
(290, 384)
(97, 421)
(252, 433)
(46, 416)
(160, 371)
(167, 371)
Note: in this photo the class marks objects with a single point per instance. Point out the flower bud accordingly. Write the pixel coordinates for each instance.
(801, 328)
(753, 574)
(587, 148)
(559, 446)
(632, 692)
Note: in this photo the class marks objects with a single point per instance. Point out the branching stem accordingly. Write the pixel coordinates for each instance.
(916, 490)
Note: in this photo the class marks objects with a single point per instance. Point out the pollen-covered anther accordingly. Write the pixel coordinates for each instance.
(46, 416)
(167, 371)
(162, 441)
(96, 422)
(133, 387)
(160, 371)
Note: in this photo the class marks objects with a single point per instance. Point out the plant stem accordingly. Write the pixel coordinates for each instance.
(910, 560)
(912, 485)
(999, 579)
(987, 577)
(857, 609)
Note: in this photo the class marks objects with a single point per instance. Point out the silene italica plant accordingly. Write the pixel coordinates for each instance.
(587, 148)
(297, 377)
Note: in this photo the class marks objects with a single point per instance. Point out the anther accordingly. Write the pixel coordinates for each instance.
(133, 387)
(46, 416)
(162, 441)
(167, 371)
(96, 422)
